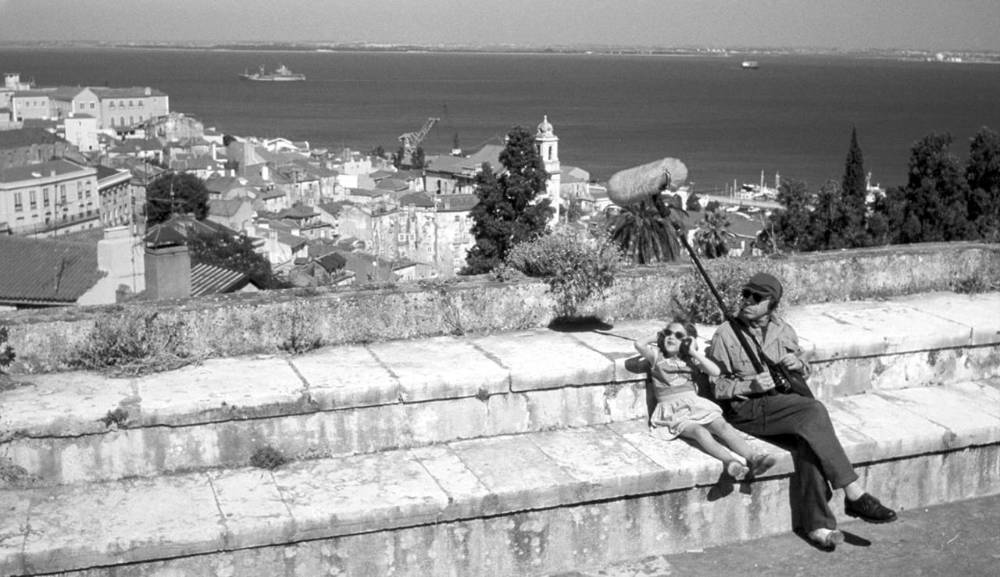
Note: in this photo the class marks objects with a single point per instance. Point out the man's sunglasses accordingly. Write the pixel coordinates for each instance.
(749, 295)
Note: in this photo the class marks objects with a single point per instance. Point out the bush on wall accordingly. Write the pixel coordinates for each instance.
(575, 265)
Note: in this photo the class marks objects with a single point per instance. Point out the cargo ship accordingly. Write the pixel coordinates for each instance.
(280, 74)
(750, 65)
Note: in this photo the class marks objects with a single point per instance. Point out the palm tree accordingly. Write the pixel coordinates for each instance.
(644, 232)
(713, 235)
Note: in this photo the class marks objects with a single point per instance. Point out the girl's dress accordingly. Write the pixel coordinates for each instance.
(678, 404)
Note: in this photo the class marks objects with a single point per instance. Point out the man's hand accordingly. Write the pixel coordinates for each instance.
(762, 383)
(791, 362)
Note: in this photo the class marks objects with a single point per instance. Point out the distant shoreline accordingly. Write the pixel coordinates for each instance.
(947, 56)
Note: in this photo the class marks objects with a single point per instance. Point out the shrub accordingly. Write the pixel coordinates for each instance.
(728, 275)
(575, 266)
(975, 284)
(7, 355)
(135, 342)
(268, 458)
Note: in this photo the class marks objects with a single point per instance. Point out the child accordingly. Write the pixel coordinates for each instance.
(675, 363)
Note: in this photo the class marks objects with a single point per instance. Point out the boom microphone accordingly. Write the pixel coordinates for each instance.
(638, 183)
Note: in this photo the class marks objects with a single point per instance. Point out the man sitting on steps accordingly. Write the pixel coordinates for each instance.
(756, 405)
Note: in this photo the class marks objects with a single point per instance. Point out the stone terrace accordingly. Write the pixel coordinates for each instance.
(507, 453)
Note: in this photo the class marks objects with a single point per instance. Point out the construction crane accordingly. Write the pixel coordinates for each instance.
(411, 140)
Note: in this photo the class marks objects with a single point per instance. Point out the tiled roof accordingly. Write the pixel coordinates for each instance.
(46, 272)
(129, 92)
(456, 202)
(223, 207)
(27, 137)
(417, 199)
(208, 279)
(458, 165)
(40, 170)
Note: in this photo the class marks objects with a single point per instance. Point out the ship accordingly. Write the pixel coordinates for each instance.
(280, 74)
(750, 64)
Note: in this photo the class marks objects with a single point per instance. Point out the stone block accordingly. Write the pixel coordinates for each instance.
(607, 464)
(980, 313)
(222, 389)
(441, 368)
(357, 494)
(546, 359)
(13, 529)
(346, 377)
(467, 496)
(896, 431)
(966, 423)
(253, 511)
(516, 472)
(128, 521)
(63, 404)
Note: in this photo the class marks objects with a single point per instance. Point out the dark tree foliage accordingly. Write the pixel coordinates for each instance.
(934, 198)
(176, 193)
(852, 223)
(377, 152)
(233, 253)
(791, 226)
(508, 211)
(419, 158)
(982, 172)
(644, 235)
(827, 221)
(712, 238)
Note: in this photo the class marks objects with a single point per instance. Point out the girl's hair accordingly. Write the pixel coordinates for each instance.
(661, 336)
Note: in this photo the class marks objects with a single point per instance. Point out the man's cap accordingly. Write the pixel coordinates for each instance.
(766, 285)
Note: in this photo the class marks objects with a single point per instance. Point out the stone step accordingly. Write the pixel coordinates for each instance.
(521, 504)
(84, 427)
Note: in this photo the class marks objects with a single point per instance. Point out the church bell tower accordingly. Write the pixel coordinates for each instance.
(547, 144)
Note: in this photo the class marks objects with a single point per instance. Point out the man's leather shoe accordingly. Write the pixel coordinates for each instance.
(868, 508)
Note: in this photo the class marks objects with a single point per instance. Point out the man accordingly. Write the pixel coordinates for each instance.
(754, 403)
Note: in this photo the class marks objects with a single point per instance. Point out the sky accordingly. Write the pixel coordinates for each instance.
(938, 25)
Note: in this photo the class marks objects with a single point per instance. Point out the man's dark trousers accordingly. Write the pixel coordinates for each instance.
(803, 426)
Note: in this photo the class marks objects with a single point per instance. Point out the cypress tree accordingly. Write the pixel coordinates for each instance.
(853, 192)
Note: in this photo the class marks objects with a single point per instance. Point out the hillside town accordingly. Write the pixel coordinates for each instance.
(75, 163)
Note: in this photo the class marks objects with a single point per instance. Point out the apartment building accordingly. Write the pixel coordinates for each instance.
(49, 198)
(114, 108)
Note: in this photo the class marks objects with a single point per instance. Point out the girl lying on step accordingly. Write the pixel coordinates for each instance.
(675, 363)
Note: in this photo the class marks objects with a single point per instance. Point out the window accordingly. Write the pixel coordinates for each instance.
(91, 105)
(62, 195)
(18, 202)
(112, 104)
(140, 104)
(32, 199)
(45, 196)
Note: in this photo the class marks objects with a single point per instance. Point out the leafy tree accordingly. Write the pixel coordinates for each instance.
(935, 206)
(693, 203)
(377, 152)
(176, 193)
(827, 221)
(713, 234)
(233, 253)
(791, 225)
(853, 193)
(644, 233)
(508, 211)
(418, 159)
(982, 173)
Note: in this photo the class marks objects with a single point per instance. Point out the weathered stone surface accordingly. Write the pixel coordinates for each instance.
(62, 404)
(361, 493)
(13, 528)
(968, 424)
(221, 389)
(898, 432)
(546, 359)
(606, 462)
(467, 496)
(253, 511)
(517, 472)
(979, 312)
(127, 521)
(441, 368)
(346, 377)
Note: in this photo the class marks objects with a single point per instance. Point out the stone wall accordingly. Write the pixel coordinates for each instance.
(297, 319)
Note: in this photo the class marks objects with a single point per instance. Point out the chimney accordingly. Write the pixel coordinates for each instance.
(168, 265)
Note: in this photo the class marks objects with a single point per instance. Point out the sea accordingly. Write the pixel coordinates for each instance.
(791, 117)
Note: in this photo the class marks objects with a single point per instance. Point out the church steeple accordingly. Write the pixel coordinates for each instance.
(547, 144)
